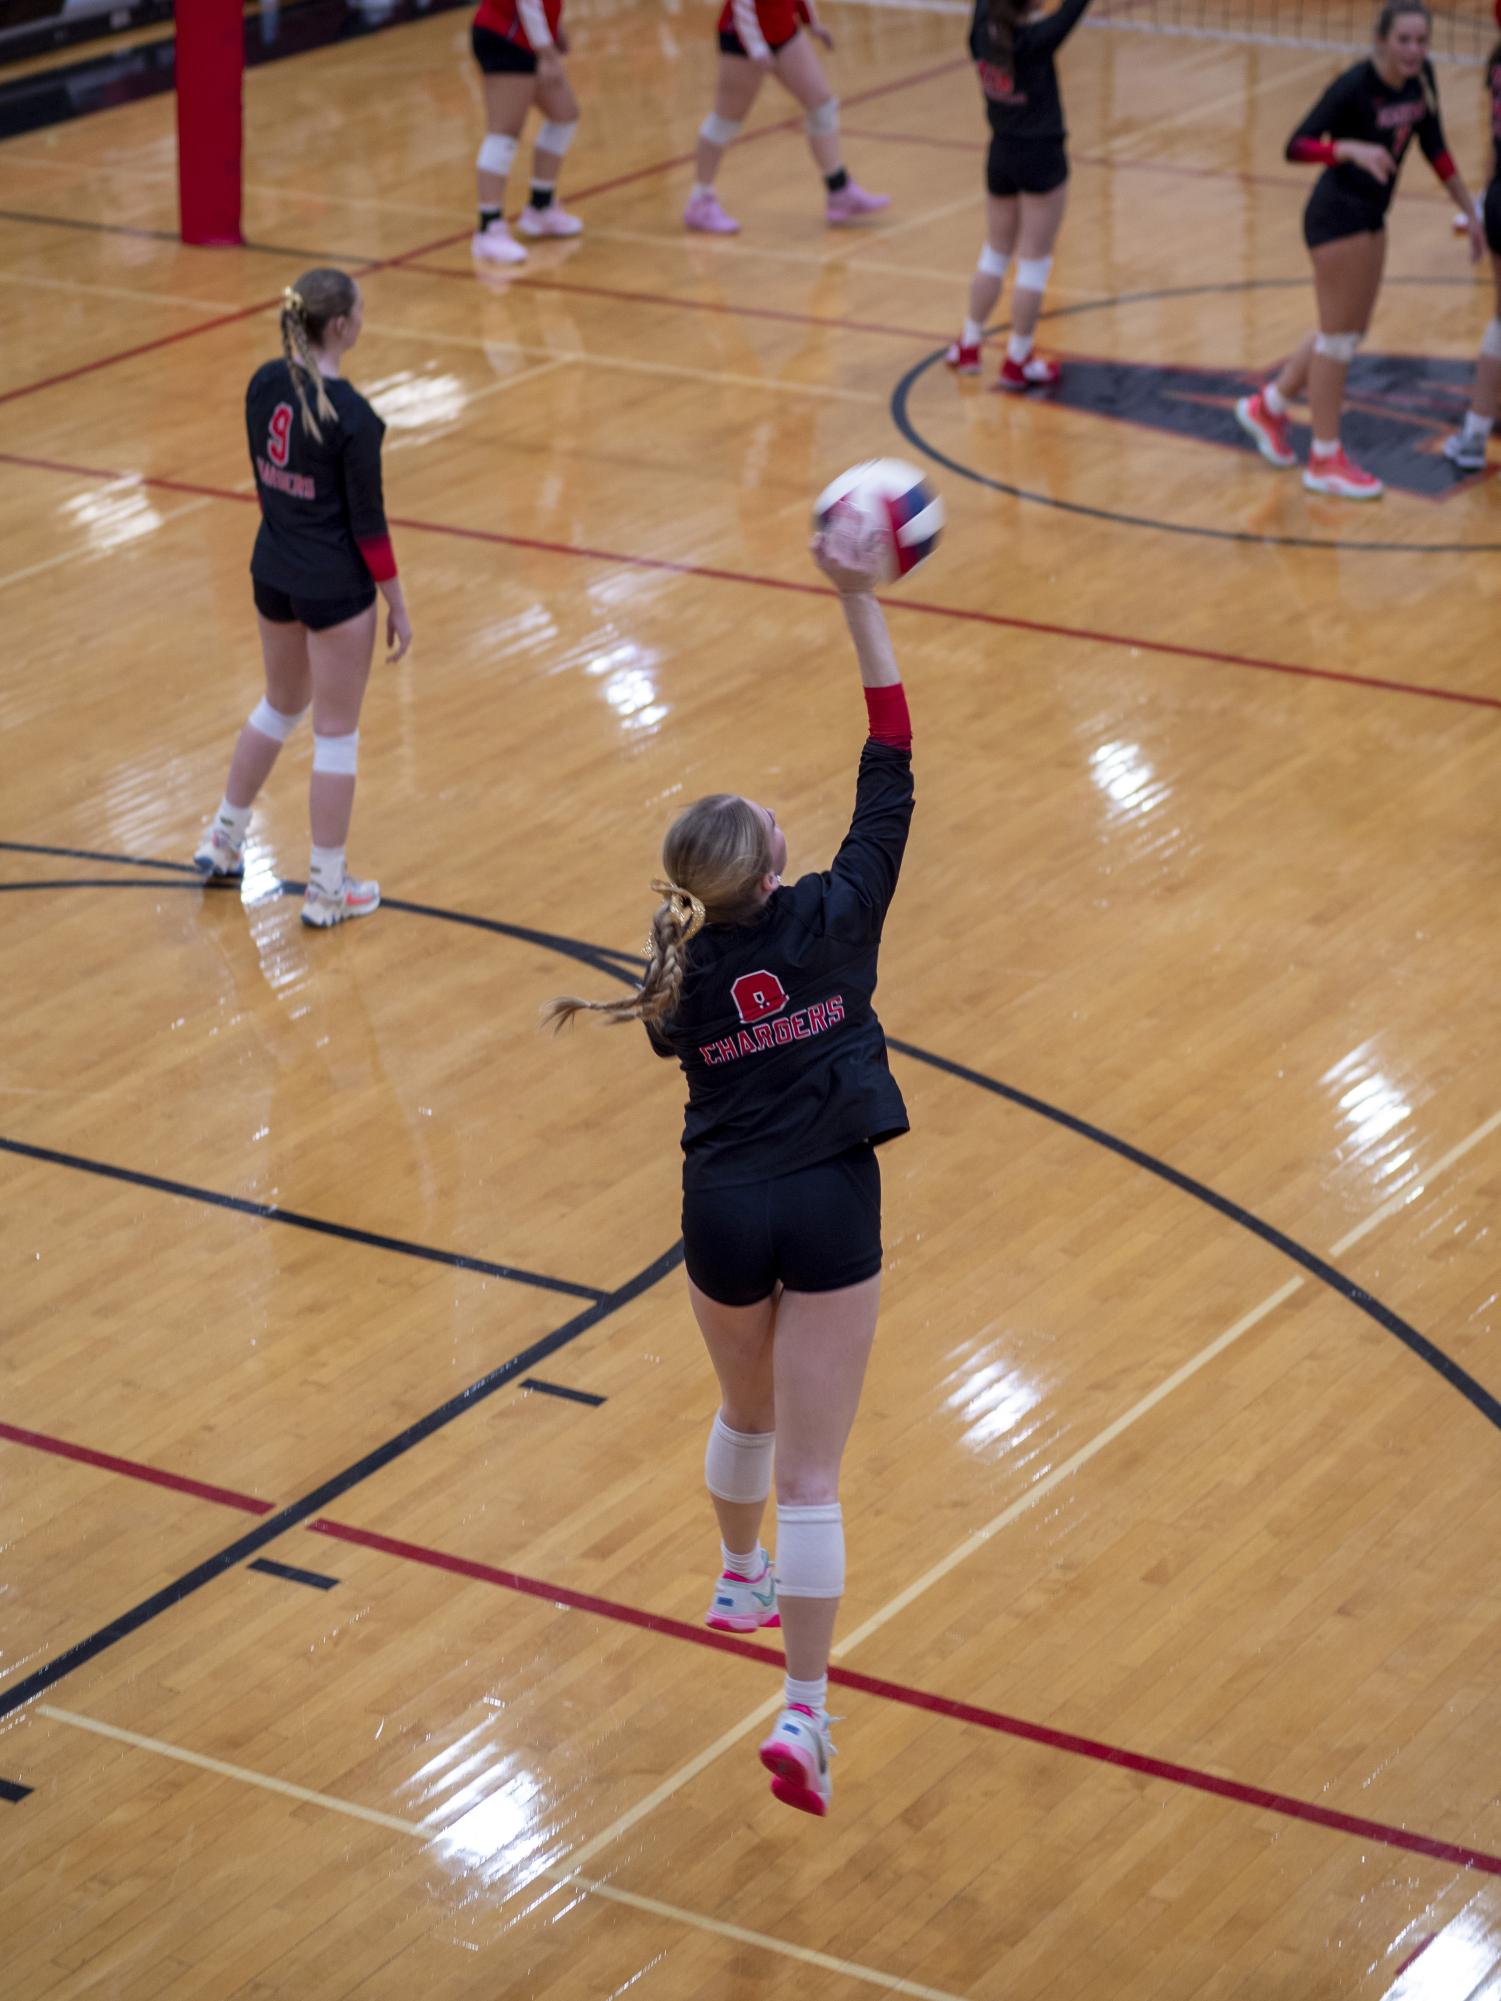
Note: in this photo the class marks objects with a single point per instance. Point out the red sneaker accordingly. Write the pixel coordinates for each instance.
(1033, 373)
(1268, 431)
(1332, 472)
(963, 360)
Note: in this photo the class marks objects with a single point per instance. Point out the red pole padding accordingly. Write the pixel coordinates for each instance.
(210, 69)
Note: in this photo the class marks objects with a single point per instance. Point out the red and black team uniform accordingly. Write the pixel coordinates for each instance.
(758, 28)
(789, 1092)
(1491, 208)
(1346, 200)
(1028, 155)
(323, 545)
(507, 34)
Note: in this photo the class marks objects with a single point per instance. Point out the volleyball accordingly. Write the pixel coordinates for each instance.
(899, 501)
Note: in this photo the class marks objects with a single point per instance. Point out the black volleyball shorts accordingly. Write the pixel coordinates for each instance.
(498, 57)
(1491, 216)
(317, 614)
(814, 1230)
(1025, 166)
(1331, 213)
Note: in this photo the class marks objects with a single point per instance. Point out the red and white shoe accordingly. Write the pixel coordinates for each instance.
(1036, 372)
(705, 214)
(853, 203)
(1332, 472)
(963, 360)
(355, 899)
(797, 1755)
(1268, 430)
(744, 1604)
(550, 221)
(496, 245)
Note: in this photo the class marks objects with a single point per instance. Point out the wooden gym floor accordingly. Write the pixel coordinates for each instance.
(351, 1415)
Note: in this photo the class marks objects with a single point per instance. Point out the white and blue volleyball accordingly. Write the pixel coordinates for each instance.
(899, 501)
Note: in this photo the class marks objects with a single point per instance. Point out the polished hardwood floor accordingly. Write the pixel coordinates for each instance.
(1168, 1660)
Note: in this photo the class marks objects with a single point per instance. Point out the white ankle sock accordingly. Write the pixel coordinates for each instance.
(233, 821)
(1019, 348)
(1325, 450)
(973, 334)
(325, 871)
(1476, 427)
(1274, 400)
(749, 1566)
(812, 1695)
(700, 189)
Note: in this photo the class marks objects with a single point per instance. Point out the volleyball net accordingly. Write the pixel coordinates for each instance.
(1461, 34)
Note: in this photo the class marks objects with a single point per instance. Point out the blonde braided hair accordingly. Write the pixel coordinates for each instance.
(306, 310)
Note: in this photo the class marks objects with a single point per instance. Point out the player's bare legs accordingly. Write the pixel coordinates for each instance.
(1466, 449)
(739, 1341)
(340, 661)
(288, 687)
(799, 70)
(508, 98)
(736, 87)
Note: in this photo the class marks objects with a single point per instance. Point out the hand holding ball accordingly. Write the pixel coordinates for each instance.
(901, 514)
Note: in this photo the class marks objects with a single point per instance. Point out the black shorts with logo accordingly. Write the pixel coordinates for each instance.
(814, 1230)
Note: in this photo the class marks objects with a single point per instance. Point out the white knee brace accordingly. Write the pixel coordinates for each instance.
(719, 131)
(994, 262)
(1338, 347)
(496, 154)
(810, 1551)
(272, 722)
(1490, 341)
(555, 138)
(823, 119)
(339, 754)
(737, 1464)
(1032, 273)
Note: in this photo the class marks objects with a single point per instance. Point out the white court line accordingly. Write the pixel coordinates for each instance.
(119, 292)
(565, 1876)
(1401, 1201)
(118, 548)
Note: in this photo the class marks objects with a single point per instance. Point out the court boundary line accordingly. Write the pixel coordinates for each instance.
(919, 607)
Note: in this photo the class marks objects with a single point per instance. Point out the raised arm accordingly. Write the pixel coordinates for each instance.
(1054, 29)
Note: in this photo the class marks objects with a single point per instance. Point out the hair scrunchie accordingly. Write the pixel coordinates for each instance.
(292, 302)
(685, 909)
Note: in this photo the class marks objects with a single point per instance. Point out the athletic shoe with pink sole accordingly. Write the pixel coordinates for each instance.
(355, 899)
(1332, 472)
(853, 203)
(797, 1755)
(1268, 430)
(496, 245)
(218, 859)
(705, 214)
(744, 1604)
(1034, 373)
(963, 360)
(549, 221)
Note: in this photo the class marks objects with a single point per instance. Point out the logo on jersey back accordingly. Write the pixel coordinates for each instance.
(756, 995)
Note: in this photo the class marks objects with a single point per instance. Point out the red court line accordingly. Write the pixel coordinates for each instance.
(1171, 649)
(63, 1448)
(1284, 1804)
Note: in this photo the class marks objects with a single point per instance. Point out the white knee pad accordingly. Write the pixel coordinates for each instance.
(737, 1464)
(272, 722)
(994, 262)
(1338, 347)
(719, 131)
(810, 1551)
(496, 154)
(1032, 273)
(555, 138)
(1490, 341)
(337, 753)
(823, 119)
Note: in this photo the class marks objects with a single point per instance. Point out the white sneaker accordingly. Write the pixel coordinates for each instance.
(797, 1755)
(550, 221)
(744, 1604)
(496, 245)
(218, 858)
(355, 899)
(1465, 451)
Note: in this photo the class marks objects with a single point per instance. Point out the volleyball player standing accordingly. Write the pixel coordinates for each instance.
(519, 46)
(1466, 448)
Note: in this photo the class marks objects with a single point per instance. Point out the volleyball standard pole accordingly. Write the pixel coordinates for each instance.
(210, 74)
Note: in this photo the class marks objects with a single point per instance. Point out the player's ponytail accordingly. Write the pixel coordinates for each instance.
(1004, 17)
(307, 308)
(717, 855)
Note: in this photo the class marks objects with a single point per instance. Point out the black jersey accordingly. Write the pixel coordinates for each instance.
(1023, 99)
(1493, 84)
(323, 522)
(1359, 105)
(784, 1056)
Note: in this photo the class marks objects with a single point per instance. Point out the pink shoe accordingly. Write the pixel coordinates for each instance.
(1332, 472)
(704, 212)
(852, 202)
(549, 221)
(963, 360)
(797, 1755)
(1268, 430)
(1033, 373)
(496, 245)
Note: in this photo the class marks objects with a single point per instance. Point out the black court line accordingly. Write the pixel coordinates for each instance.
(268, 1212)
(353, 258)
(246, 1546)
(292, 1574)
(9, 1790)
(560, 1390)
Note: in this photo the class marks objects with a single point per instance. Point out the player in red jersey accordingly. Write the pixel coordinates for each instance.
(519, 46)
(763, 992)
(321, 555)
(1466, 448)
(756, 36)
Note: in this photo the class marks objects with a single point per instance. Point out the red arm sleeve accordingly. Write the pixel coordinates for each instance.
(889, 722)
(1311, 152)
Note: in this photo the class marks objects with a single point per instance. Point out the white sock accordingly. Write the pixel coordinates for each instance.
(700, 188)
(749, 1566)
(812, 1695)
(325, 871)
(1325, 449)
(1476, 426)
(1274, 400)
(1019, 348)
(973, 334)
(233, 821)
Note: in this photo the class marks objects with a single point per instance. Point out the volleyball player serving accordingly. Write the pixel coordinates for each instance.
(1026, 179)
(763, 993)
(519, 46)
(756, 36)
(1358, 131)
(1467, 446)
(321, 554)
